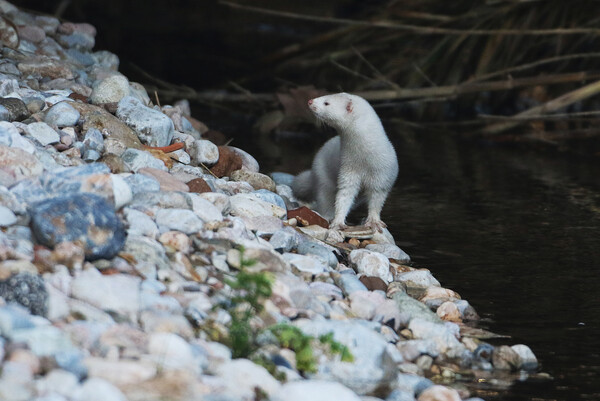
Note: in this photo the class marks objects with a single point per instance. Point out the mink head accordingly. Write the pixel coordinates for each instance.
(339, 110)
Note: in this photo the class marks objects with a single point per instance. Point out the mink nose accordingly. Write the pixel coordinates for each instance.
(310, 102)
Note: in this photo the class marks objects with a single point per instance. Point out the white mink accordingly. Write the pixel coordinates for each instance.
(360, 159)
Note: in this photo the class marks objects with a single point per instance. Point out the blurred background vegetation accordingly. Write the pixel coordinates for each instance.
(521, 71)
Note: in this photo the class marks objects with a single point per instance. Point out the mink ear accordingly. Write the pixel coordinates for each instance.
(349, 106)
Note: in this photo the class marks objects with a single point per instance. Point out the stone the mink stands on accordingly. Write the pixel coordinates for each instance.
(360, 158)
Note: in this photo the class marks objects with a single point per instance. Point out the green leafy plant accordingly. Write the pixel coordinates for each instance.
(249, 292)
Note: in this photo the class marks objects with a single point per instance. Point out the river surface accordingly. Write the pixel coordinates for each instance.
(515, 232)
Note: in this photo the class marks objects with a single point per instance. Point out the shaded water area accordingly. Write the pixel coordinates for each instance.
(516, 233)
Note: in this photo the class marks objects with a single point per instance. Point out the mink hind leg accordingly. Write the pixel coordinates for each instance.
(376, 199)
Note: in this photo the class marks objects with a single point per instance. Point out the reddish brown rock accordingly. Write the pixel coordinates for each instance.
(46, 68)
(198, 185)
(228, 162)
(374, 283)
(307, 217)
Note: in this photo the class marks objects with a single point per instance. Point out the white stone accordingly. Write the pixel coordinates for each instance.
(371, 264)
(43, 133)
(242, 376)
(118, 292)
(110, 90)
(182, 220)
(9, 136)
(205, 209)
(527, 359)
(122, 193)
(390, 251)
(250, 206)
(314, 390)
(220, 201)
(57, 381)
(418, 279)
(440, 333)
(7, 217)
(368, 347)
(171, 352)
(120, 372)
(248, 162)
(204, 151)
(140, 223)
(439, 393)
(95, 389)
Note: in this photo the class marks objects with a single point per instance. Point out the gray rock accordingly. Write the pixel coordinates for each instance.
(136, 159)
(43, 340)
(371, 264)
(372, 366)
(84, 217)
(271, 197)
(410, 309)
(390, 251)
(93, 140)
(283, 178)
(43, 133)
(27, 290)
(118, 293)
(350, 283)
(182, 220)
(314, 390)
(306, 264)
(13, 109)
(110, 89)
(153, 127)
(107, 59)
(142, 183)
(285, 240)
(400, 395)
(505, 358)
(149, 254)
(76, 40)
(323, 251)
(62, 115)
(412, 384)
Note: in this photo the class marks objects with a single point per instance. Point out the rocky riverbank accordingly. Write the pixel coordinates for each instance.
(140, 261)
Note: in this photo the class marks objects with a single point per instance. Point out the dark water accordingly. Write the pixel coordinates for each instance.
(516, 233)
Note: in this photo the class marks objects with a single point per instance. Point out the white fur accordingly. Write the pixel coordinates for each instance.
(360, 159)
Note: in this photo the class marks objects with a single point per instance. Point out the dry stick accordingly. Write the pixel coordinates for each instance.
(423, 30)
(527, 66)
(455, 90)
(554, 104)
(557, 116)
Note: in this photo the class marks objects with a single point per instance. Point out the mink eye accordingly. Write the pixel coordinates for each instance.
(326, 103)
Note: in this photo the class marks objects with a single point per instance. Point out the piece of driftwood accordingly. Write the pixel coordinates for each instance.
(550, 106)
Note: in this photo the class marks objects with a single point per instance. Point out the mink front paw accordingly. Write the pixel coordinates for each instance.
(375, 225)
(337, 226)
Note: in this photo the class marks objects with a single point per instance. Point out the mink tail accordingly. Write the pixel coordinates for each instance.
(304, 186)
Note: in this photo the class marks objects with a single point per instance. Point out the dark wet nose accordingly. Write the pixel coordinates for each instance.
(310, 102)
